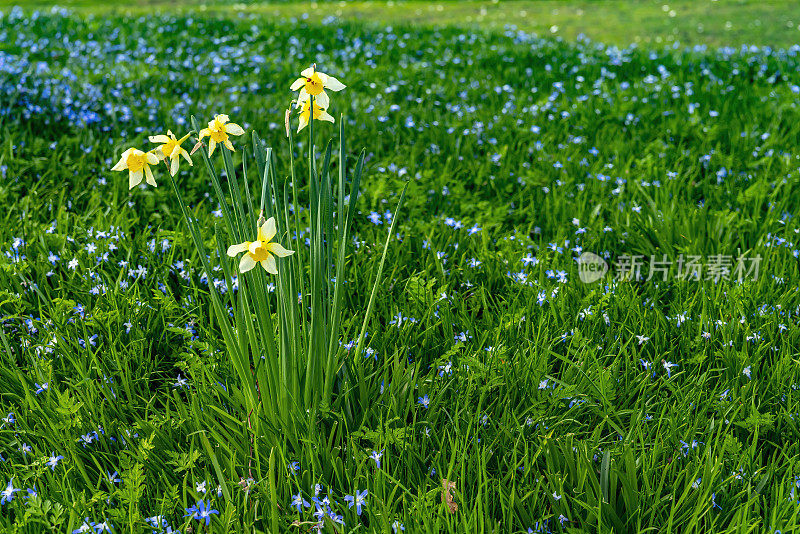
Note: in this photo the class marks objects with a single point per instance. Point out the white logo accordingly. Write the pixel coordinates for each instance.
(591, 267)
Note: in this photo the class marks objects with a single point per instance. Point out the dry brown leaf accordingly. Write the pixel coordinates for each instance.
(447, 497)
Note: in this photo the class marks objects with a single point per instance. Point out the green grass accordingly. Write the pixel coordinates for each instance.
(511, 147)
(773, 23)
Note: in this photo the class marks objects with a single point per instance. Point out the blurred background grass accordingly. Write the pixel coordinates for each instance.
(773, 23)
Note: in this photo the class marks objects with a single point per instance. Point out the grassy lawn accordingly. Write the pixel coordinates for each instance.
(773, 23)
(445, 365)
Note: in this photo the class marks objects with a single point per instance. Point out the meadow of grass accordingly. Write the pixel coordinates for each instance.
(774, 23)
(543, 404)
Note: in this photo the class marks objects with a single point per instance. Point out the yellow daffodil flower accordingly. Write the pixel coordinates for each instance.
(263, 250)
(320, 113)
(218, 131)
(138, 164)
(314, 83)
(171, 148)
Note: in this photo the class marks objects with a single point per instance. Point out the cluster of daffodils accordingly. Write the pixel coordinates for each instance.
(312, 85)
(170, 150)
(313, 104)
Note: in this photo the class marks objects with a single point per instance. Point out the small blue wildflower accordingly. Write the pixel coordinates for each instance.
(7, 495)
(377, 457)
(356, 499)
(201, 512)
(299, 503)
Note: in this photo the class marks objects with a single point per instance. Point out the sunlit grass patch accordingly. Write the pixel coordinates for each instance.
(214, 351)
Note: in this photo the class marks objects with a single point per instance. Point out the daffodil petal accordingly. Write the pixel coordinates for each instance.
(152, 159)
(120, 166)
(211, 146)
(278, 250)
(234, 129)
(307, 73)
(302, 97)
(246, 263)
(269, 265)
(298, 84)
(134, 179)
(149, 176)
(269, 229)
(233, 250)
(322, 100)
(159, 139)
(303, 123)
(325, 116)
(333, 84)
(173, 167)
